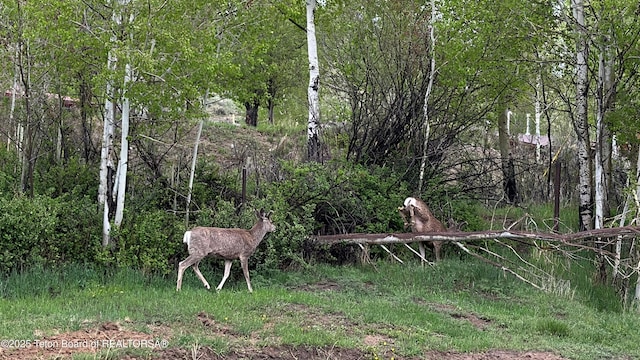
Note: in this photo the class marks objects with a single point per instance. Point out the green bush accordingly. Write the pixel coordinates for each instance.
(27, 232)
(150, 241)
(42, 231)
(9, 175)
(71, 178)
(78, 229)
(313, 198)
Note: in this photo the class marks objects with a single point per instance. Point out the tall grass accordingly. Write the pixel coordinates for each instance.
(533, 217)
(457, 305)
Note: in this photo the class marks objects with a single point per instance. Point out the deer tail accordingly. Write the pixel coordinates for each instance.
(187, 238)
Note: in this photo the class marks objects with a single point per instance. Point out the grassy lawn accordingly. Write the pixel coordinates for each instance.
(384, 311)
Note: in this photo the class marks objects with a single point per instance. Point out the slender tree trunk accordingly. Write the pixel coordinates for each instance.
(618, 246)
(538, 115)
(636, 297)
(106, 160)
(251, 112)
(28, 158)
(506, 157)
(426, 126)
(193, 171)
(124, 149)
(107, 190)
(313, 128)
(87, 129)
(581, 124)
(271, 92)
(60, 128)
(599, 182)
(14, 91)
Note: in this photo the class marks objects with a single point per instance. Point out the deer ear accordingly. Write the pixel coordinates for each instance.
(269, 214)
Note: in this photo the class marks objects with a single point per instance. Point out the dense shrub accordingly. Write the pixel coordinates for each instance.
(151, 241)
(9, 177)
(313, 198)
(79, 229)
(65, 225)
(71, 178)
(45, 232)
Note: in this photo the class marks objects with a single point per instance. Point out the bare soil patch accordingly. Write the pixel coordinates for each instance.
(156, 344)
(319, 287)
(480, 322)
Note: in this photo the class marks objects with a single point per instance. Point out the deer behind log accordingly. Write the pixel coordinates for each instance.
(226, 244)
(417, 215)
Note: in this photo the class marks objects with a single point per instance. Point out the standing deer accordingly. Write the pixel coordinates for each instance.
(416, 214)
(226, 244)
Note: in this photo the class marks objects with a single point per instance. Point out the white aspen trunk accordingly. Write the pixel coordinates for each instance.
(537, 116)
(599, 169)
(193, 170)
(124, 150)
(27, 129)
(107, 135)
(604, 92)
(59, 142)
(426, 127)
(12, 110)
(581, 124)
(618, 247)
(636, 297)
(106, 150)
(313, 130)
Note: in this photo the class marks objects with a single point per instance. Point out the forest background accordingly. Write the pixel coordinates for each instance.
(472, 106)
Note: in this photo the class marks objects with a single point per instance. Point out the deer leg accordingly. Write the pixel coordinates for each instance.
(245, 270)
(199, 274)
(436, 249)
(422, 252)
(184, 265)
(227, 271)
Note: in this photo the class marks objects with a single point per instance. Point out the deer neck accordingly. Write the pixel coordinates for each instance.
(258, 232)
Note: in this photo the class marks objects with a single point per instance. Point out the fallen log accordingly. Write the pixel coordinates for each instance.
(393, 238)
(475, 244)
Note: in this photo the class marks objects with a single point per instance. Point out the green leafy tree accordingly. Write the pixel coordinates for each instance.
(266, 51)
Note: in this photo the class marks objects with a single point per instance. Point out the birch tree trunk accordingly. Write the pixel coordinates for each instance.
(618, 246)
(14, 91)
(193, 170)
(508, 167)
(106, 161)
(580, 121)
(124, 149)
(107, 150)
(605, 92)
(426, 127)
(313, 131)
(599, 169)
(28, 133)
(538, 115)
(636, 297)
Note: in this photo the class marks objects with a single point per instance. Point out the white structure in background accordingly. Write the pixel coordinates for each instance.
(537, 139)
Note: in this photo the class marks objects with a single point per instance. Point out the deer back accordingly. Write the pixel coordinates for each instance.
(230, 243)
(220, 242)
